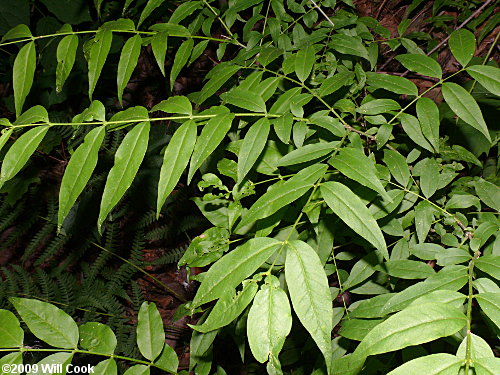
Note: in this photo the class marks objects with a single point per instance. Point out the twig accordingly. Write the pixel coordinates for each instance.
(323, 13)
(380, 9)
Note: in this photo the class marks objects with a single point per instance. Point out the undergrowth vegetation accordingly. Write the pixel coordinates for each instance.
(330, 182)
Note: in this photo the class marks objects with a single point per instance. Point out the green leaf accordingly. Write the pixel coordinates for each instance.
(11, 359)
(5, 137)
(97, 56)
(228, 308)
(371, 308)
(465, 107)
(198, 50)
(23, 73)
(245, 99)
(449, 278)
(282, 104)
(159, 44)
(148, 9)
(184, 10)
(269, 321)
(97, 337)
(252, 147)
(397, 166)
(406, 269)
(211, 136)
(374, 107)
(349, 45)
(448, 297)
(17, 32)
(283, 127)
(462, 44)
(107, 367)
(433, 364)
(357, 329)
(412, 326)
(66, 54)
(175, 161)
(412, 127)
(128, 158)
(424, 216)
(361, 271)
(180, 60)
(175, 104)
(428, 116)
(20, 152)
(429, 177)
(489, 193)
(335, 82)
(310, 294)
(283, 194)
(131, 115)
(488, 76)
(128, 60)
(150, 334)
(307, 153)
(421, 64)
(230, 270)
(33, 115)
(168, 360)
(489, 264)
(11, 333)
(137, 370)
(352, 211)
(63, 359)
(396, 84)
(487, 366)
(47, 322)
(216, 81)
(69, 11)
(353, 163)
(478, 348)
(304, 62)
(78, 171)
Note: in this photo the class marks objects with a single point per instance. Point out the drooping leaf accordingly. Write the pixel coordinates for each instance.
(66, 54)
(412, 127)
(433, 364)
(397, 166)
(17, 32)
(23, 73)
(230, 270)
(159, 44)
(412, 326)
(181, 59)
(429, 176)
(421, 64)
(128, 60)
(168, 359)
(197, 51)
(335, 82)
(361, 271)
(97, 56)
(33, 115)
(47, 322)
(175, 104)
(269, 321)
(97, 338)
(184, 10)
(228, 308)
(489, 264)
(78, 171)
(353, 163)
(106, 367)
(486, 75)
(128, 158)
(374, 107)
(211, 136)
(489, 193)
(462, 44)
(284, 194)
(307, 153)
(424, 216)
(349, 45)
(351, 210)
(428, 116)
(11, 333)
(252, 146)
(245, 99)
(150, 334)
(465, 107)
(148, 9)
(304, 62)
(216, 81)
(175, 161)
(396, 84)
(310, 294)
(20, 152)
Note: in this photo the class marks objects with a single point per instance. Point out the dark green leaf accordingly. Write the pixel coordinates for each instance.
(335, 82)
(97, 57)
(304, 62)
(150, 334)
(23, 73)
(159, 44)
(97, 338)
(374, 107)
(488, 76)
(252, 147)
(421, 64)
(463, 45)
(396, 84)
(66, 54)
(489, 193)
(428, 116)
(148, 9)
(180, 60)
(245, 99)
(398, 166)
(128, 60)
(308, 153)
(349, 45)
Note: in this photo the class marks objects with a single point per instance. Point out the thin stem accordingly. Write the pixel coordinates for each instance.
(223, 24)
(468, 354)
(323, 13)
(33, 38)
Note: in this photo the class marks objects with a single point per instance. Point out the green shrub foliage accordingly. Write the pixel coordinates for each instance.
(354, 217)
